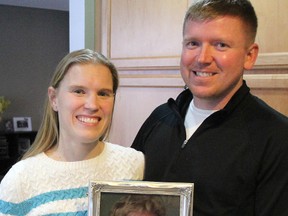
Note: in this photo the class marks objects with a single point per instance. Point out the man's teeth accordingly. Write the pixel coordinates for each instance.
(203, 74)
(88, 120)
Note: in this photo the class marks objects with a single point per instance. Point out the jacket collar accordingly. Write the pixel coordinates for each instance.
(184, 98)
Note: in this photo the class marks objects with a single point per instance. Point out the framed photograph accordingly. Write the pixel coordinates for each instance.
(22, 124)
(115, 198)
(9, 125)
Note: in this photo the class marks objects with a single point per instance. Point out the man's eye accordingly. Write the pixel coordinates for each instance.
(191, 44)
(221, 46)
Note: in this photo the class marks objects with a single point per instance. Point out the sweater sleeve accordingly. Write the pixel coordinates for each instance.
(10, 189)
(140, 166)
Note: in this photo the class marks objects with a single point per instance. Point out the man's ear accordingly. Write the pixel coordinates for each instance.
(251, 56)
(52, 98)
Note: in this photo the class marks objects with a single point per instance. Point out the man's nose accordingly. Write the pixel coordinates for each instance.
(205, 55)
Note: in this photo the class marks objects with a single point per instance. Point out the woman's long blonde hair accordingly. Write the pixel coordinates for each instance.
(48, 133)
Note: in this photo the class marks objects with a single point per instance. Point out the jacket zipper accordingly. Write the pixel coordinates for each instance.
(184, 144)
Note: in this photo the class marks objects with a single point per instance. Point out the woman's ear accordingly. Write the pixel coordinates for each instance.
(251, 56)
(52, 98)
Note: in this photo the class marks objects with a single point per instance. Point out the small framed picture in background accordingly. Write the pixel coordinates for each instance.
(9, 125)
(22, 124)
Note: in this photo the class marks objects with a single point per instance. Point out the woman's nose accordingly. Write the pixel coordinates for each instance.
(92, 102)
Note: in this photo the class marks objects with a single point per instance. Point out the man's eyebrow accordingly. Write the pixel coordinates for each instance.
(189, 39)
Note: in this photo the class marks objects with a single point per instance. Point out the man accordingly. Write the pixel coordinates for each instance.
(232, 145)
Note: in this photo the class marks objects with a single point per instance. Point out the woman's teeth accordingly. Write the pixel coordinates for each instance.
(88, 120)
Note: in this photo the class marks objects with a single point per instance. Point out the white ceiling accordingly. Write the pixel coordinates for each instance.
(62, 5)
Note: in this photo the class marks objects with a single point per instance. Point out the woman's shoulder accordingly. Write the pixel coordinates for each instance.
(22, 167)
(16, 177)
(119, 149)
(128, 163)
(123, 153)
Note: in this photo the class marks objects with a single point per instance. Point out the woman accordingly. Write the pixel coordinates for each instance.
(70, 147)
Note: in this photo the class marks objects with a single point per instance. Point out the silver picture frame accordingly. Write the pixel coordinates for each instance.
(176, 198)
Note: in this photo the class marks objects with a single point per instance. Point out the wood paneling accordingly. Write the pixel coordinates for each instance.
(148, 34)
(273, 22)
(143, 34)
(272, 33)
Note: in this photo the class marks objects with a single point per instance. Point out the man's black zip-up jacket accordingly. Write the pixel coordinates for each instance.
(237, 158)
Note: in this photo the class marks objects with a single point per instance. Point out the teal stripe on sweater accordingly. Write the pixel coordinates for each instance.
(27, 205)
(82, 213)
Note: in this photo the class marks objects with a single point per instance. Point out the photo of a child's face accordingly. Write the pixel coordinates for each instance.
(141, 214)
(139, 205)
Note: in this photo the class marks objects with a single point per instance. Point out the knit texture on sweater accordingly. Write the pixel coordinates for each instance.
(42, 186)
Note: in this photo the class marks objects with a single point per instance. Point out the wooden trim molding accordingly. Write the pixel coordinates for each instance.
(272, 61)
(256, 81)
(264, 61)
(267, 81)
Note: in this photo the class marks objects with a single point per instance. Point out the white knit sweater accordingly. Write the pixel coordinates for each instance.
(42, 186)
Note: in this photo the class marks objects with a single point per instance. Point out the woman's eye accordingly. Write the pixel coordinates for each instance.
(105, 94)
(79, 91)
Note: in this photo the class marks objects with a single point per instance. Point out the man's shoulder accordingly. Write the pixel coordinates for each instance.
(266, 112)
(173, 105)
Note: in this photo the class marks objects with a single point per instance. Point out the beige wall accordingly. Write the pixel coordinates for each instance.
(32, 42)
(133, 106)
